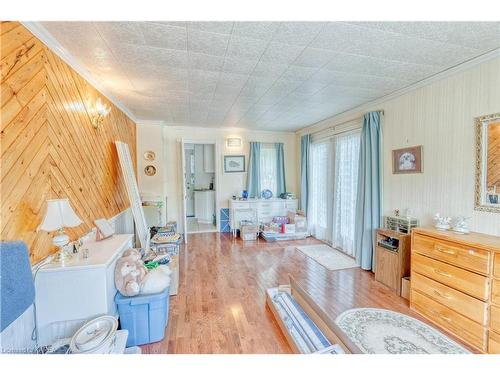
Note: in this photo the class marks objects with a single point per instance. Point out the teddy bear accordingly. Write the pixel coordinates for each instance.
(129, 273)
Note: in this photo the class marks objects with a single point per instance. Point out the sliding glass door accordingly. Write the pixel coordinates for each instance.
(320, 167)
(345, 187)
(333, 185)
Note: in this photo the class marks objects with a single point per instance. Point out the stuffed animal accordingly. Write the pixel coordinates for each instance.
(129, 273)
(156, 280)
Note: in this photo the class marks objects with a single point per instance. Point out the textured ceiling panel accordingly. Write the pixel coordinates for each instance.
(264, 75)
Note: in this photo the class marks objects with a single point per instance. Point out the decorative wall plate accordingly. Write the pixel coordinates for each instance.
(149, 155)
(150, 170)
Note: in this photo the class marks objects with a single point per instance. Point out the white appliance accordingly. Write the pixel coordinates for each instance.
(68, 295)
(204, 206)
(260, 210)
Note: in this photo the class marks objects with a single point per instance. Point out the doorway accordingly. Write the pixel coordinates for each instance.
(199, 187)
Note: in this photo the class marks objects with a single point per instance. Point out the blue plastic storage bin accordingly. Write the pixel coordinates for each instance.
(144, 317)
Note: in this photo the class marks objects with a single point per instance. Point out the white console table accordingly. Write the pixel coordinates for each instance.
(67, 296)
(259, 210)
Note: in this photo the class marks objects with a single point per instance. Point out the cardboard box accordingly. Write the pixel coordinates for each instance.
(300, 221)
(249, 232)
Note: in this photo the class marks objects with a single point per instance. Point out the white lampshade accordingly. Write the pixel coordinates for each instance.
(59, 215)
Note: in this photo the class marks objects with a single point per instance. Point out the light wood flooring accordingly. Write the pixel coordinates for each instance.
(221, 306)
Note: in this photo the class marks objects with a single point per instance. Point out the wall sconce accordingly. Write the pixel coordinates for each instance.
(233, 142)
(101, 111)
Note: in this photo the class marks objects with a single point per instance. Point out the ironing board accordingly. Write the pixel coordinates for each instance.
(307, 328)
(133, 193)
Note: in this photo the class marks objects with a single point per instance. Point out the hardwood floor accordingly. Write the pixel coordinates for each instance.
(221, 306)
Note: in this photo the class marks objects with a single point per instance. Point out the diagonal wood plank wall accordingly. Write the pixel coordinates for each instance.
(48, 147)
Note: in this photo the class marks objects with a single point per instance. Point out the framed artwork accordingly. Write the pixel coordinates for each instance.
(234, 163)
(407, 160)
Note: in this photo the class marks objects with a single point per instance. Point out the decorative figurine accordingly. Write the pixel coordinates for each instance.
(460, 225)
(442, 222)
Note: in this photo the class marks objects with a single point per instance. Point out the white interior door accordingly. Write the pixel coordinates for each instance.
(184, 196)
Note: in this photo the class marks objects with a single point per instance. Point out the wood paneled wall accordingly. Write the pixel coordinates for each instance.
(48, 147)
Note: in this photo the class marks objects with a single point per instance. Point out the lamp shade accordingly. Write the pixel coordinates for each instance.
(59, 215)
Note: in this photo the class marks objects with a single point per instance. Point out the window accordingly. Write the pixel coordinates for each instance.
(268, 166)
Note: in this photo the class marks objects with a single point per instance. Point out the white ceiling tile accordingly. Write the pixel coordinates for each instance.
(278, 53)
(298, 33)
(264, 75)
(119, 32)
(220, 27)
(239, 65)
(163, 36)
(476, 35)
(314, 57)
(298, 73)
(208, 43)
(256, 30)
(202, 61)
(246, 48)
(269, 70)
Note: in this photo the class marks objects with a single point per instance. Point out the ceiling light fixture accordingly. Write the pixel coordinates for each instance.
(233, 142)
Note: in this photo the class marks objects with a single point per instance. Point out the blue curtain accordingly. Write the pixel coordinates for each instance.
(253, 176)
(368, 206)
(280, 169)
(305, 144)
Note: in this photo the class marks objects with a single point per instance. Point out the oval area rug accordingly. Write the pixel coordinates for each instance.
(379, 331)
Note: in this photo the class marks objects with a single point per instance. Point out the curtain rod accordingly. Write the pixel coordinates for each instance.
(345, 122)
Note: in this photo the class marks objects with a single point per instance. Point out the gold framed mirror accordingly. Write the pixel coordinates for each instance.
(487, 194)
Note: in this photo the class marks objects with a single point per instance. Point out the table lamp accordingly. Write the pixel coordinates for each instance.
(60, 215)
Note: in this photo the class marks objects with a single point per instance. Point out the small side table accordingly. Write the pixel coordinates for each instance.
(392, 264)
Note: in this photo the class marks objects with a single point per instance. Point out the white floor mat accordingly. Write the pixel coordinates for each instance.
(328, 257)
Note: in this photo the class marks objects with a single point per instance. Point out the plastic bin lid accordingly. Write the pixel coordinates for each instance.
(140, 298)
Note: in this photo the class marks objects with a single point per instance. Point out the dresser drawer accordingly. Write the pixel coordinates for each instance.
(454, 277)
(495, 318)
(457, 301)
(462, 256)
(240, 205)
(496, 265)
(471, 332)
(495, 292)
(494, 343)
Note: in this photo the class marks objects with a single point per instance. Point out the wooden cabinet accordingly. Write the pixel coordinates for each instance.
(391, 265)
(456, 284)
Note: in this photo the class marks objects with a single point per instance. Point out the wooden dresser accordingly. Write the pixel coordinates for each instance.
(455, 283)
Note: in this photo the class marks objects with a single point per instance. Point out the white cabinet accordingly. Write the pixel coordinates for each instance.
(208, 159)
(260, 210)
(66, 296)
(204, 206)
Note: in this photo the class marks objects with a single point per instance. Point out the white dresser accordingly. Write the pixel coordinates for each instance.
(66, 296)
(258, 210)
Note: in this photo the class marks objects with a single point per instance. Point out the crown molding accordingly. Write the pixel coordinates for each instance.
(41, 33)
(227, 129)
(348, 115)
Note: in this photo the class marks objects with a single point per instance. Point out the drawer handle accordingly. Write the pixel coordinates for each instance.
(443, 295)
(445, 250)
(442, 273)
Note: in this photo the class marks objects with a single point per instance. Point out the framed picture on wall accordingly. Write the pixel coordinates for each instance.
(234, 163)
(407, 160)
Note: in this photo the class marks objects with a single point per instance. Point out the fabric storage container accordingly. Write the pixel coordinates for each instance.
(144, 316)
